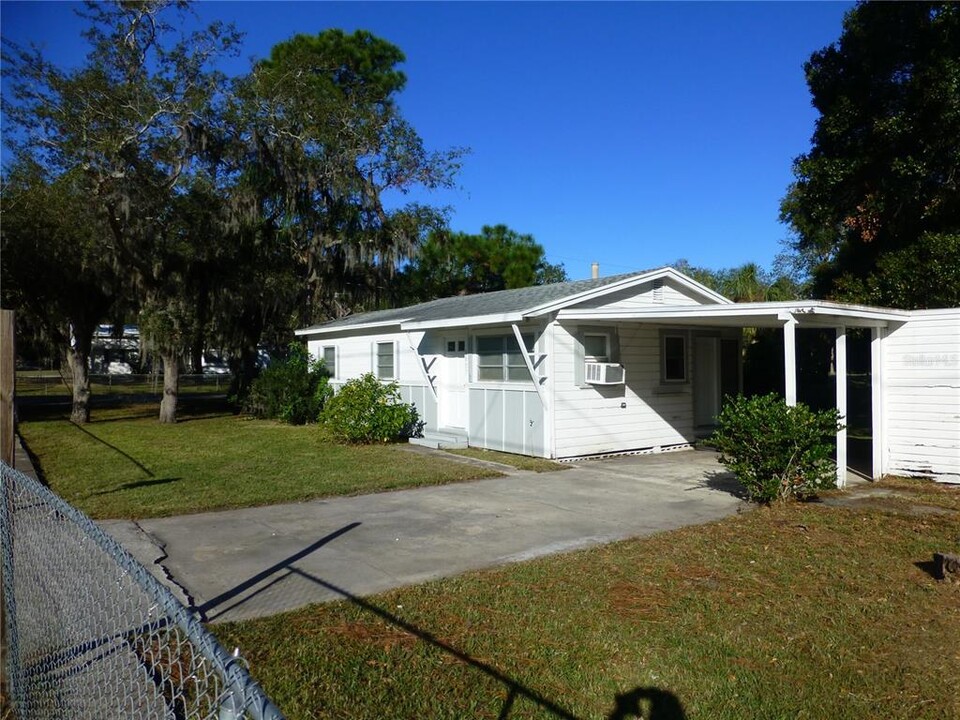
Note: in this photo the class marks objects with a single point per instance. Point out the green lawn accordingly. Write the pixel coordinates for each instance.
(799, 611)
(126, 464)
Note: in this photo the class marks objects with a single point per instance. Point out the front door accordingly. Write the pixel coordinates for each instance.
(706, 380)
(452, 383)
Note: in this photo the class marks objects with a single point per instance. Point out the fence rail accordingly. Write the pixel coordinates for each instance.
(91, 634)
(53, 383)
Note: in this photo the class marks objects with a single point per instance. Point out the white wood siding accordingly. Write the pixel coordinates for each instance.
(643, 295)
(507, 419)
(591, 420)
(356, 356)
(921, 396)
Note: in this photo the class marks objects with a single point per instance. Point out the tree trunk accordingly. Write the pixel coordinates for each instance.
(171, 387)
(196, 355)
(78, 359)
(244, 366)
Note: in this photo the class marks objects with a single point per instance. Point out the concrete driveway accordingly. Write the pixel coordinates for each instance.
(254, 562)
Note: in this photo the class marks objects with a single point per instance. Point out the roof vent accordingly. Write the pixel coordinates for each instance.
(658, 291)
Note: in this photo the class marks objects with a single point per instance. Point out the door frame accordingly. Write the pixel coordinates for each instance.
(445, 389)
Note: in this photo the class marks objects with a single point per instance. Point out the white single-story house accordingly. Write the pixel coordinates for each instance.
(640, 362)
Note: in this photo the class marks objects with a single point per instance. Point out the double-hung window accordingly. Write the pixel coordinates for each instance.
(500, 358)
(674, 358)
(329, 356)
(385, 359)
(596, 347)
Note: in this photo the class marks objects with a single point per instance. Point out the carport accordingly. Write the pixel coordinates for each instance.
(788, 317)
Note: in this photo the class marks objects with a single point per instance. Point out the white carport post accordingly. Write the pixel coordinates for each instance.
(841, 362)
(876, 401)
(789, 358)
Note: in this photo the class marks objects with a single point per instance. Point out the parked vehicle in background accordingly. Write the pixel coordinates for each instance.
(118, 367)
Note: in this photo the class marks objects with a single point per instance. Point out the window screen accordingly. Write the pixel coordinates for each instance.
(500, 358)
(330, 360)
(674, 358)
(595, 348)
(385, 360)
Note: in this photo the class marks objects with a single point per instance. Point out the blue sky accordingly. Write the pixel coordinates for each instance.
(630, 134)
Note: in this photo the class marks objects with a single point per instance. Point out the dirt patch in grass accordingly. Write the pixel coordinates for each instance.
(520, 462)
(378, 634)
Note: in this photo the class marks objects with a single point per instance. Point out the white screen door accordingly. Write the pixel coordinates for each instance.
(452, 383)
(706, 380)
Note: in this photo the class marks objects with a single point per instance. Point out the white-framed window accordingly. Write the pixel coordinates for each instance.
(673, 357)
(596, 347)
(500, 358)
(385, 360)
(328, 353)
(456, 346)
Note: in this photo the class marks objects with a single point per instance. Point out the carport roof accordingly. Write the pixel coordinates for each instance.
(809, 313)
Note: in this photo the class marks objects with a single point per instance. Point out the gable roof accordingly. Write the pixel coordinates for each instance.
(504, 305)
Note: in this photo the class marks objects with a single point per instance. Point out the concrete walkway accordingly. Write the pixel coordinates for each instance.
(258, 561)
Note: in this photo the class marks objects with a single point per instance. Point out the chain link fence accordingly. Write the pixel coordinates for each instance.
(91, 634)
(53, 384)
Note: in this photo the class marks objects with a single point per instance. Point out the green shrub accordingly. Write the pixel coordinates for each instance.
(777, 451)
(366, 410)
(292, 390)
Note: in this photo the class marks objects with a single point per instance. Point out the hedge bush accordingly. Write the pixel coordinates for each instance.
(777, 451)
(293, 390)
(366, 410)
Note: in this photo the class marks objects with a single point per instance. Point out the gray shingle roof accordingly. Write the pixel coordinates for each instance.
(463, 306)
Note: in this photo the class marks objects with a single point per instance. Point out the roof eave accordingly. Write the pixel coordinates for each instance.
(772, 311)
(333, 327)
(472, 321)
(558, 305)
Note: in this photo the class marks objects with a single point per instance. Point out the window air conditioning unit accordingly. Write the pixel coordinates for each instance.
(604, 373)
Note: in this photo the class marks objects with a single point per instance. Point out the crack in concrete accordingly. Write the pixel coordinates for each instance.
(185, 598)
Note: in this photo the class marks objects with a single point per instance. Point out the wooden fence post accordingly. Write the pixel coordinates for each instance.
(7, 381)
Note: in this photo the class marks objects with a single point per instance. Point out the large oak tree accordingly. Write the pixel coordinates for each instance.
(56, 270)
(131, 124)
(875, 208)
(456, 263)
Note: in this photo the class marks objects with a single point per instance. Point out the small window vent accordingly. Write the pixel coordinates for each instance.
(658, 291)
(604, 373)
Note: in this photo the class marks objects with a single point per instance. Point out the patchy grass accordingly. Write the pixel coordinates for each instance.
(794, 611)
(126, 464)
(520, 462)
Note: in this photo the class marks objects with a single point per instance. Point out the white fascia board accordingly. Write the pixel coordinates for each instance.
(669, 313)
(325, 330)
(555, 305)
(856, 312)
(773, 311)
(493, 319)
(699, 287)
(935, 312)
(558, 305)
